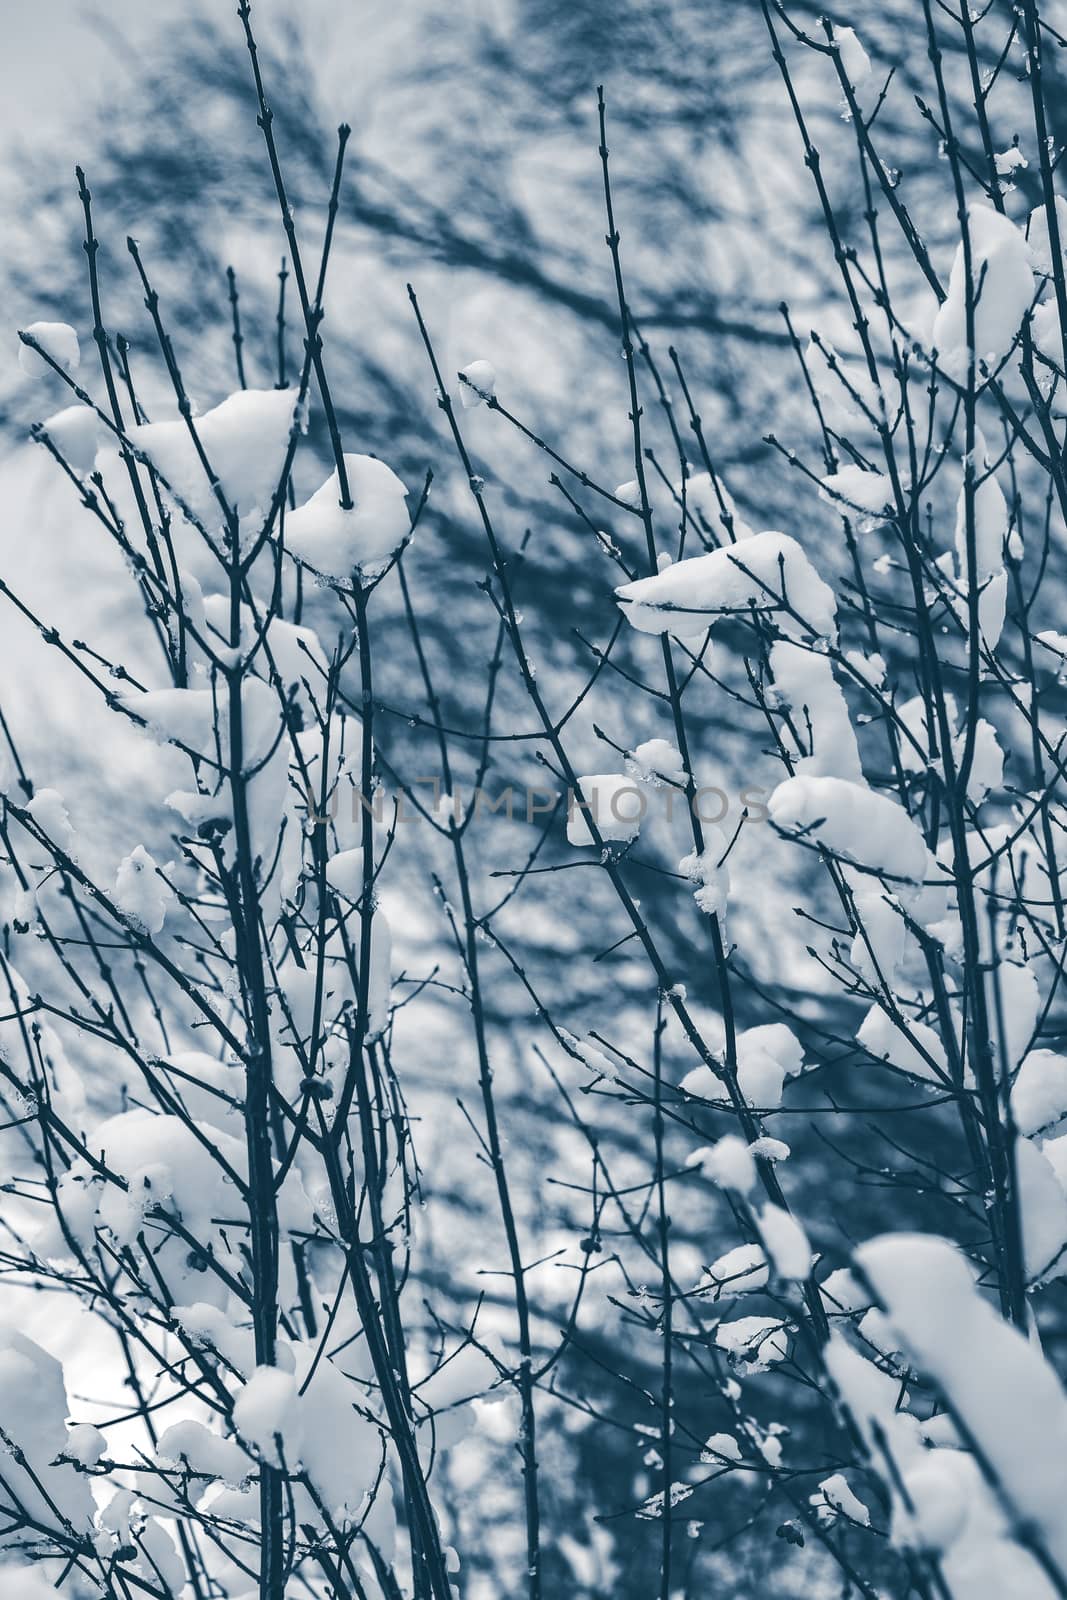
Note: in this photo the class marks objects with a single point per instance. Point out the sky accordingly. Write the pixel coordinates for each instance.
(57, 53)
(59, 57)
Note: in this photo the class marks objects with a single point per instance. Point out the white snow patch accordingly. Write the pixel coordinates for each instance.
(480, 375)
(615, 803)
(688, 597)
(1000, 264)
(58, 340)
(865, 491)
(336, 543)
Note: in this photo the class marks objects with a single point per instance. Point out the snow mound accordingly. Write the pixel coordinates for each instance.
(769, 570)
(804, 680)
(58, 340)
(613, 801)
(481, 381)
(1000, 266)
(996, 1383)
(75, 432)
(245, 439)
(866, 491)
(853, 822)
(756, 1343)
(334, 542)
(140, 891)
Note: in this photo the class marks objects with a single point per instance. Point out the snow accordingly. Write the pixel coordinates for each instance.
(990, 519)
(50, 814)
(987, 762)
(33, 1408)
(1009, 161)
(703, 1084)
(458, 1396)
(804, 681)
(769, 1149)
(185, 717)
(379, 983)
(713, 505)
(988, 759)
(344, 873)
(26, 1583)
(785, 1243)
(170, 1170)
(854, 58)
(121, 1525)
(245, 439)
(198, 720)
(871, 669)
(915, 743)
(337, 1431)
(1020, 1001)
(1045, 330)
(297, 657)
(57, 339)
(880, 940)
(1000, 260)
(991, 525)
(844, 1292)
(864, 491)
(918, 1051)
(992, 605)
(740, 1271)
(1039, 1094)
(1038, 236)
(939, 1498)
(940, 1430)
(206, 1327)
(655, 760)
(835, 1495)
(766, 1056)
(952, 1334)
(615, 803)
(75, 432)
(199, 1096)
(1054, 1150)
(480, 375)
(336, 543)
(85, 1444)
(1057, 643)
(462, 1376)
(875, 1329)
(720, 1447)
(266, 1409)
(312, 1410)
(937, 1487)
(756, 1343)
(1043, 1212)
(729, 1163)
(702, 588)
(204, 1452)
(140, 892)
(710, 873)
(852, 822)
(340, 991)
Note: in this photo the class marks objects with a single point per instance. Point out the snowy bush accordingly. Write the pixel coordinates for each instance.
(226, 1042)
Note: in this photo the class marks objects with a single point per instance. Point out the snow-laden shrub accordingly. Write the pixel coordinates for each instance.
(203, 1056)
